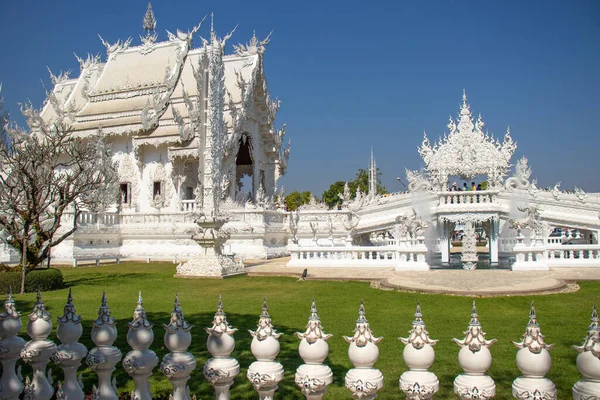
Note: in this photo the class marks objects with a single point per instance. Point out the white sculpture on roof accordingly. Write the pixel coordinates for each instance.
(467, 151)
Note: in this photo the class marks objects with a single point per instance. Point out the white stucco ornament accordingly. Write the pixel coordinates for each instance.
(10, 349)
(474, 358)
(179, 363)
(38, 350)
(533, 359)
(221, 369)
(588, 363)
(103, 358)
(69, 354)
(418, 383)
(265, 373)
(140, 361)
(313, 376)
(363, 380)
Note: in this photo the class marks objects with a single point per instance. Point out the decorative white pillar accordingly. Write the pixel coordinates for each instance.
(38, 351)
(444, 242)
(474, 358)
(69, 354)
(222, 368)
(493, 238)
(588, 362)
(313, 376)
(265, 373)
(418, 354)
(363, 380)
(533, 359)
(11, 345)
(140, 361)
(103, 358)
(178, 364)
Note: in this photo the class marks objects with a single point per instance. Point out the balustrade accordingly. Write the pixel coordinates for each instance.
(468, 197)
(312, 377)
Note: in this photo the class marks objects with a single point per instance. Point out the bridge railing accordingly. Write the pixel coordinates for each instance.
(467, 197)
(311, 378)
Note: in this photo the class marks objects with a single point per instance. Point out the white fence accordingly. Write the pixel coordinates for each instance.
(312, 378)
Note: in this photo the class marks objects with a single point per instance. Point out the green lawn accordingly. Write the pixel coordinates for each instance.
(564, 319)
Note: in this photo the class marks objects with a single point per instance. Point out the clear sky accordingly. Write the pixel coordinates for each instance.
(354, 74)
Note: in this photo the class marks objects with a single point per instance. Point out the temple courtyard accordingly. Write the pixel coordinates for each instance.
(482, 282)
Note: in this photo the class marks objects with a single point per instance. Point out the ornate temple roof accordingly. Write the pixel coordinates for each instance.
(150, 79)
(467, 151)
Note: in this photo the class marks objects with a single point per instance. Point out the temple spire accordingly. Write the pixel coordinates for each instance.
(149, 22)
(372, 176)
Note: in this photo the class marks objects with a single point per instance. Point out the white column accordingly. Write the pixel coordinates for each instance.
(493, 238)
(445, 243)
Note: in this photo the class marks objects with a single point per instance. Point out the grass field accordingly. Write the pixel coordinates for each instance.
(564, 319)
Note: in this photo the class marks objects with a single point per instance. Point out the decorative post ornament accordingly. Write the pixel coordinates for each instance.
(533, 359)
(588, 363)
(103, 358)
(140, 361)
(69, 354)
(38, 350)
(265, 373)
(474, 358)
(363, 380)
(418, 354)
(11, 345)
(221, 369)
(179, 363)
(313, 376)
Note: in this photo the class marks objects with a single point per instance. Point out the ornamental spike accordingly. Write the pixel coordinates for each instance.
(265, 309)
(313, 311)
(70, 297)
(532, 316)
(149, 22)
(594, 318)
(220, 306)
(418, 315)
(9, 307)
(474, 315)
(39, 309)
(104, 301)
(362, 319)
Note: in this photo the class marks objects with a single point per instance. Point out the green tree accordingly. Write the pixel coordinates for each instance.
(331, 195)
(296, 199)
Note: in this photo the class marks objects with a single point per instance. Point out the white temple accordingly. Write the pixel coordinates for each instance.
(187, 124)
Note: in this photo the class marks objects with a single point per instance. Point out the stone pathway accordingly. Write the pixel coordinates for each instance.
(458, 282)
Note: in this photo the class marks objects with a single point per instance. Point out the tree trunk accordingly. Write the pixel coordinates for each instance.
(23, 261)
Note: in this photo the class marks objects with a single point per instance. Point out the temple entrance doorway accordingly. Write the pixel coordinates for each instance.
(244, 170)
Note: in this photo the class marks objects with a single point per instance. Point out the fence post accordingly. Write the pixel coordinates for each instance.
(533, 359)
(10, 349)
(222, 368)
(418, 355)
(69, 354)
(38, 351)
(313, 377)
(140, 361)
(178, 364)
(265, 373)
(103, 358)
(474, 358)
(363, 380)
(588, 362)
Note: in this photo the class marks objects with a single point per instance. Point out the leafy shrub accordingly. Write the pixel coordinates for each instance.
(44, 279)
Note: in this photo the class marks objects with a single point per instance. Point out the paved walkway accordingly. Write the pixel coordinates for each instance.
(459, 282)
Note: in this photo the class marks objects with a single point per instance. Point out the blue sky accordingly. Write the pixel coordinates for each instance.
(353, 75)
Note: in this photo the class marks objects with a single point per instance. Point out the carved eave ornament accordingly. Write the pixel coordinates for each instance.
(533, 338)
(219, 323)
(418, 335)
(592, 341)
(362, 333)
(474, 335)
(265, 327)
(314, 330)
(467, 151)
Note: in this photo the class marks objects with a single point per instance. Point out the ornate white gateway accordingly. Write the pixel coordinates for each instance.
(508, 221)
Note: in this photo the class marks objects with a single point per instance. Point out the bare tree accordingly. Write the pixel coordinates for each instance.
(43, 175)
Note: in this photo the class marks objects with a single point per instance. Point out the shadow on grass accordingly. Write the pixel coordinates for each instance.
(198, 385)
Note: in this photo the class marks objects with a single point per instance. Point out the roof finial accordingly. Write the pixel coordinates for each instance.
(212, 25)
(149, 22)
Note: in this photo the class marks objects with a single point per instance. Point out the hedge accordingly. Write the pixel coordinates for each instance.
(43, 279)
